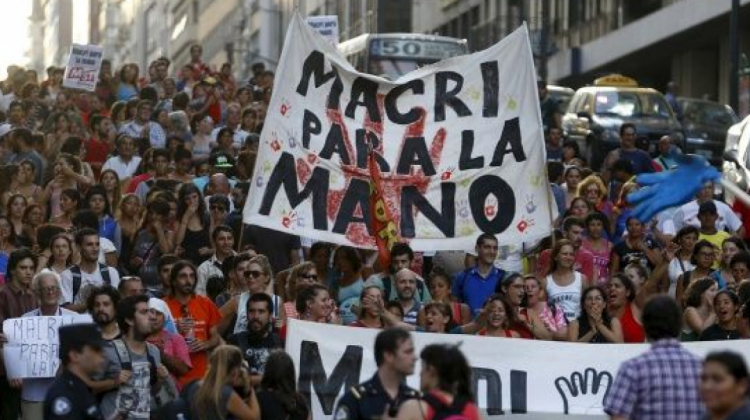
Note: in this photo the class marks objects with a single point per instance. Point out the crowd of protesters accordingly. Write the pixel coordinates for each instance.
(126, 203)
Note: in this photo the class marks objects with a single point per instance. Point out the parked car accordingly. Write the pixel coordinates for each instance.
(562, 95)
(736, 166)
(596, 113)
(706, 124)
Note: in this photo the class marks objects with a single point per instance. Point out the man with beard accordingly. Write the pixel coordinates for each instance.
(197, 318)
(133, 398)
(102, 305)
(406, 288)
(258, 341)
(395, 357)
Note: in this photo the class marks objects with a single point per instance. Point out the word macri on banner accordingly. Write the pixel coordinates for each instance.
(455, 144)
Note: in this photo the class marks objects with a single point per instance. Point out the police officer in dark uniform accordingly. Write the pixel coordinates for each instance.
(81, 354)
(395, 357)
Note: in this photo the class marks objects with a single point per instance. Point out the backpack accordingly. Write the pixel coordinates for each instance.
(163, 394)
(77, 276)
(443, 411)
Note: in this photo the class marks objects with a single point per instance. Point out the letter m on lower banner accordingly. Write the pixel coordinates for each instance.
(314, 381)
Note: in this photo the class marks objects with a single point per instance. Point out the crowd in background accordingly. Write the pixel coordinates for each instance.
(137, 189)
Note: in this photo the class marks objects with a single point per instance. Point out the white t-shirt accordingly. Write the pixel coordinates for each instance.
(123, 169)
(87, 279)
(688, 215)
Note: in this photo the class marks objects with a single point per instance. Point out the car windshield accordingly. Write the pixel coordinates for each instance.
(708, 113)
(632, 104)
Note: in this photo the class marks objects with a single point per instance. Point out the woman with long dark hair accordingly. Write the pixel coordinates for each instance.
(594, 325)
(192, 234)
(7, 243)
(370, 302)
(446, 384)
(98, 203)
(277, 395)
(724, 386)
(15, 210)
(621, 304)
(215, 396)
(699, 308)
(726, 305)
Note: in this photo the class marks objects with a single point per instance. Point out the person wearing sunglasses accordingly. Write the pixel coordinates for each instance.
(257, 280)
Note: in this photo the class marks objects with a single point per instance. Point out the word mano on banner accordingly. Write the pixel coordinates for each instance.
(82, 71)
(459, 147)
(510, 376)
(32, 350)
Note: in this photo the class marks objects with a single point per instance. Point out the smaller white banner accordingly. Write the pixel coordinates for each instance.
(327, 27)
(82, 70)
(510, 376)
(32, 350)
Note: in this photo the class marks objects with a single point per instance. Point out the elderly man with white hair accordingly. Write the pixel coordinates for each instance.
(46, 286)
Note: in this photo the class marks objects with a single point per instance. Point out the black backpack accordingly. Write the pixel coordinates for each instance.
(76, 272)
(443, 411)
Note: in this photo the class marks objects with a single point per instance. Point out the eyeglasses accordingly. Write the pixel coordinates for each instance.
(253, 274)
(220, 208)
(49, 289)
(309, 276)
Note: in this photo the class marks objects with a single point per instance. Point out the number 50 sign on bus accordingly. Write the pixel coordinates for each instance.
(82, 70)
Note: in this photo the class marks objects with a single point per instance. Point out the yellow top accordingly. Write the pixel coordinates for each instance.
(615, 80)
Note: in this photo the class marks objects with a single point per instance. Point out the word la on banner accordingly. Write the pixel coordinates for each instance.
(509, 376)
(458, 145)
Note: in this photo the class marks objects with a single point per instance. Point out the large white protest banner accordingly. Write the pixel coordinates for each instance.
(510, 376)
(82, 70)
(32, 350)
(458, 147)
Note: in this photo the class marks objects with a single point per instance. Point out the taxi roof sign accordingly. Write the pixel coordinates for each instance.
(616, 80)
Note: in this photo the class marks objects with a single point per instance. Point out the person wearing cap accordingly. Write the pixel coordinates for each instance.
(81, 356)
(687, 214)
(173, 350)
(708, 215)
(219, 162)
(46, 286)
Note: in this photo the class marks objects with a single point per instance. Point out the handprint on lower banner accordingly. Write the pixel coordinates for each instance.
(584, 392)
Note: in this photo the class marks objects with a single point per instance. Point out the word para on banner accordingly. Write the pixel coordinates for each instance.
(456, 149)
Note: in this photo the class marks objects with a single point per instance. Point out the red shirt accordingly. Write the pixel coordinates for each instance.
(206, 316)
(584, 263)
(96, 152)
(137, 181)
(743, 212)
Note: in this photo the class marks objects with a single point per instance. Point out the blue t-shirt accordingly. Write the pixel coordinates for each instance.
(473, 289)
(641, 160)
(347, 298)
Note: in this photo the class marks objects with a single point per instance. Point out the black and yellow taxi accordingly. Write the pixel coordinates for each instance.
(596, 112)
